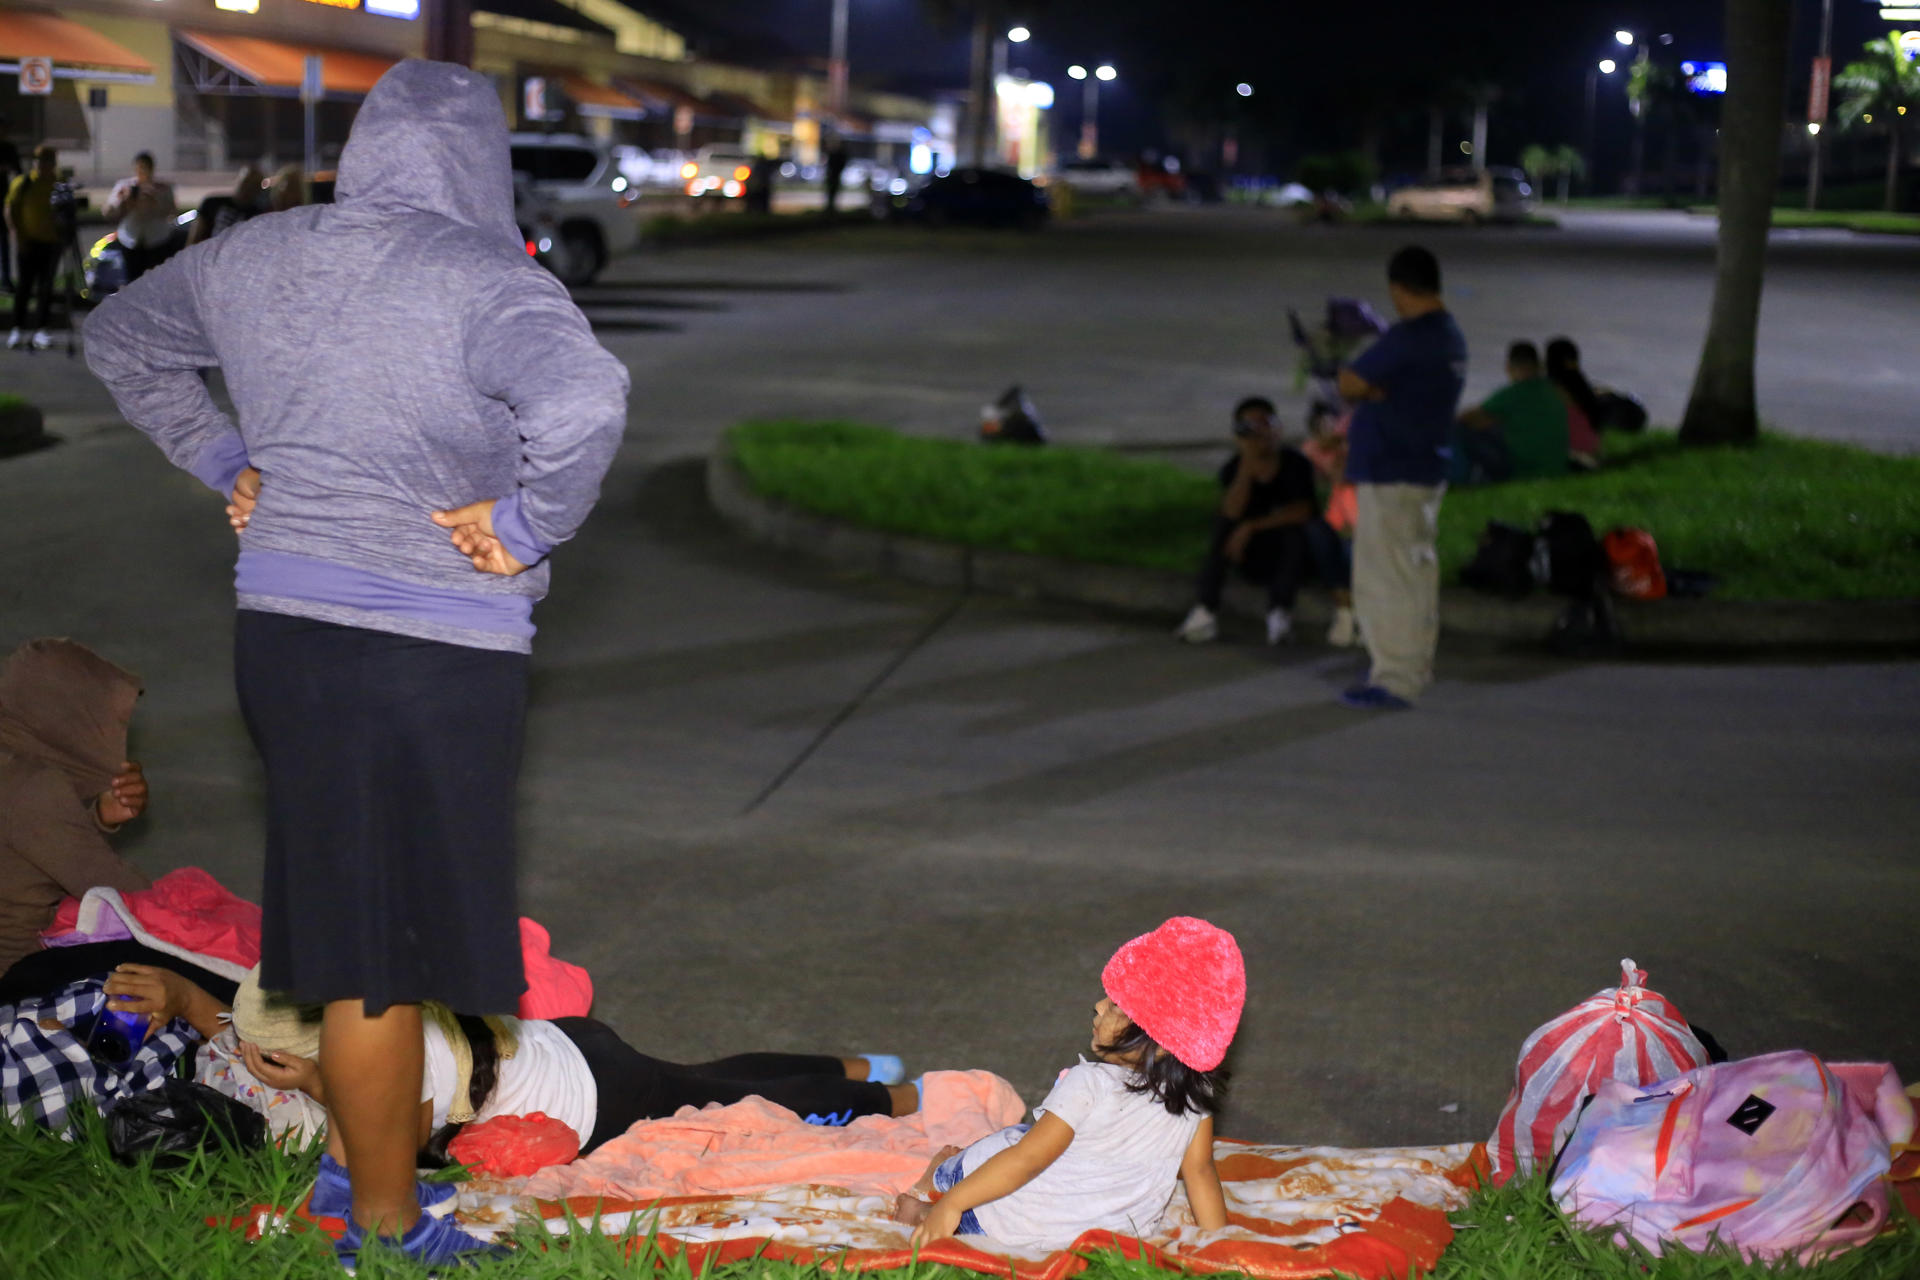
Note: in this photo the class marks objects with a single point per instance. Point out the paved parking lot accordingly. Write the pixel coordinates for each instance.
(944, 872)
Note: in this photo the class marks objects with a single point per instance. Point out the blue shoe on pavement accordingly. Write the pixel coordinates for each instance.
(430, 1240)
(884, 1068)
(333, 1193)
(1371, 697)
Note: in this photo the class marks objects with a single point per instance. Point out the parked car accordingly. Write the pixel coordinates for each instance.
(1099, 178)
(579, 186)
(976, 197)
(718, 171)
(1466, 195)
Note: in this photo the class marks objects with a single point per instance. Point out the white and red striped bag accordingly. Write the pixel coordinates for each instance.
(1629, 1034)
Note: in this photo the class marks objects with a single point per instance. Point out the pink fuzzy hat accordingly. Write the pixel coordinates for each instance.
(1184, 984)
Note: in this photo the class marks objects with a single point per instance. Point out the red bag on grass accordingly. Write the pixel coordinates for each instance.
(1628, 1033)
(1633, 564)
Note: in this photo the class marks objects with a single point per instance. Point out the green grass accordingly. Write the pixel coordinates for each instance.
(70, 1212)
(1898, 224)
(9, 401)
(1785, 519)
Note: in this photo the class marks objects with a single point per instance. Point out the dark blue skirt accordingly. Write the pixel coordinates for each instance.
(391, 763)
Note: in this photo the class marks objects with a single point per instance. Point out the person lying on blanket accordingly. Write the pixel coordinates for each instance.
(1109, 1140)
(577, 1070)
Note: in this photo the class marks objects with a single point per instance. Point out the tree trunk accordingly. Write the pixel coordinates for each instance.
(981, 98)
(1722, 407)
(1893, 166)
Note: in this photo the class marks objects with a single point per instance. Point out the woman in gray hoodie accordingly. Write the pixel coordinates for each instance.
(423, 415)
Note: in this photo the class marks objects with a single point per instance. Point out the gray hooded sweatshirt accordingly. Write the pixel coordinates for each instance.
(389, 355)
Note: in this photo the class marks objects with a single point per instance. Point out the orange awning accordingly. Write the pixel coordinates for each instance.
(600, 100)
(75, 50)
(278, 67)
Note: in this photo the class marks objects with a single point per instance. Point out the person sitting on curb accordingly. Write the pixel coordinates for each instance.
(1517, 433)
(65, 784)
(1269, 525)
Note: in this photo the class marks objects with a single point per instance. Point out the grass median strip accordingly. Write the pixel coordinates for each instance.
(1785, 519)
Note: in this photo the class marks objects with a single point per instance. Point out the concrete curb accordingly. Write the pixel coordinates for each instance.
(1667, 624)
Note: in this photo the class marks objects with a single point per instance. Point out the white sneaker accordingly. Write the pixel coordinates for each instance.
(16, 340)
(1199, 626)
(42, 340)
(1345, 631)
(1279, 625)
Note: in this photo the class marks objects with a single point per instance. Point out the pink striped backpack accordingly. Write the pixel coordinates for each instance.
(1628, 1033)
(1776, 1155)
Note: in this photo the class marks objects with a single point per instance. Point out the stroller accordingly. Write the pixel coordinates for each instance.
(1349, 325)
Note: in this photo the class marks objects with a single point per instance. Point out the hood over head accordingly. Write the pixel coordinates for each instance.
(431, 138)
(65, 706)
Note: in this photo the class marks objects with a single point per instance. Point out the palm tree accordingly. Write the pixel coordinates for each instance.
(1722, 408)
(1563, 162)
(1883, 86)
(1657, 92)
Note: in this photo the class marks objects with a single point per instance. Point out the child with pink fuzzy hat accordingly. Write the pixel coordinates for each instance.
(1109, 1141)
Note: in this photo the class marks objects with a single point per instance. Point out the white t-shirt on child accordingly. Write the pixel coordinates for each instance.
(548, 1073)
(1117, 1174)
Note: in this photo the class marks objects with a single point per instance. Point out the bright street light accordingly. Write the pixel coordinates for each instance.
(1813, 127)
(1244, 89)
(1077, 72)
(1623, 37)
(1105, 71)
(1608, 66)
(1019, 35)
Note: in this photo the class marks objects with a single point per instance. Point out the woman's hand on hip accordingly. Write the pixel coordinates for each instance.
(243, 499)
(471, 528)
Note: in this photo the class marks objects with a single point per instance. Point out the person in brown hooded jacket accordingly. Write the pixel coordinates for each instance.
(65, 783)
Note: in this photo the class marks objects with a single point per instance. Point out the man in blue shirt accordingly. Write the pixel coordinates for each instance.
(1405, 389)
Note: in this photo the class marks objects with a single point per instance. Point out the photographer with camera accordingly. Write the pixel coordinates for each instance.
(146, 212)
(38, 237)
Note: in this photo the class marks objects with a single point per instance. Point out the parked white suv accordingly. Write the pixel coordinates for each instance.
(577, 210)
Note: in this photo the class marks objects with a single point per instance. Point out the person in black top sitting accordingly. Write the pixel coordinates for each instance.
(1269, 525)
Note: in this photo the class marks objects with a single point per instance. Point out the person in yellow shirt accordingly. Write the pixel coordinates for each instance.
(36, 238)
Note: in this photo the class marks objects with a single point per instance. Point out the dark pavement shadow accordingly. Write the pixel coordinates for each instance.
(716, 285)
(632, 324)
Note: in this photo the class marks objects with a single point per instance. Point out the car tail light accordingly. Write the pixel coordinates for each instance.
(689, 169)
(731, 189)
(531, 249)
(741, 173)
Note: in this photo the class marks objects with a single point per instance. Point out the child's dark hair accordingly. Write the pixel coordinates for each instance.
(1172, 1083)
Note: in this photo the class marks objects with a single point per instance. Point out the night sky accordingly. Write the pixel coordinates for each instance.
(1324, 73)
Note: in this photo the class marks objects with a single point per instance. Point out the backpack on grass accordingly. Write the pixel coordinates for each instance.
(1619, 1033)
(1771, 1156)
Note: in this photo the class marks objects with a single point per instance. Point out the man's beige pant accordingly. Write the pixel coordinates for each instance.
(1396, 582)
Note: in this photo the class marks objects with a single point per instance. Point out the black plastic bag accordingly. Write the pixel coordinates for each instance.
(176, 1118)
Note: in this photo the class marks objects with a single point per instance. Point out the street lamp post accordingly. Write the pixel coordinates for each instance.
(1817, 98)
(449, 34)
(1090, 105)
(1605, 67)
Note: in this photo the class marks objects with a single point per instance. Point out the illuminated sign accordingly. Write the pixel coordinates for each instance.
(394, 8)
(1705, 77)
(1910, 43)
(337, 4)
(238, 6)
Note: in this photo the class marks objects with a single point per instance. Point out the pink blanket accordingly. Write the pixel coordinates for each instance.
(754, 1145)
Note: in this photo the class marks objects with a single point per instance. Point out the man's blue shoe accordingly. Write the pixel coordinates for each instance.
(333, 1193)
(1371, 697)
(430, 1240)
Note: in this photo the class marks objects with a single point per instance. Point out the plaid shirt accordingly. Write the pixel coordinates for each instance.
(43, 1074)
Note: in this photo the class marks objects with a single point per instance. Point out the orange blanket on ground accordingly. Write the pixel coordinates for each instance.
(1293, 1213)
(755, 1145)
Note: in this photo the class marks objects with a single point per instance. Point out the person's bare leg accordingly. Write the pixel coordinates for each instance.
(371, 1067)
(856, 1068)
(906, 1099)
